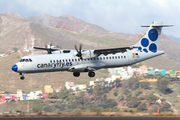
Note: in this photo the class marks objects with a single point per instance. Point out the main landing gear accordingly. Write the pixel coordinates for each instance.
(90, 74)
(76, 74)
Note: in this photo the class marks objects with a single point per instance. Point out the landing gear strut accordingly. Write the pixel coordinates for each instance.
(91, 74)
(76, 74)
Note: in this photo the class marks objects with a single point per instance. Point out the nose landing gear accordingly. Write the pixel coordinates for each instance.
(22, 76)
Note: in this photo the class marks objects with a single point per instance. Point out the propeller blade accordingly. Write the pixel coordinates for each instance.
(80, 47)
(76, 48)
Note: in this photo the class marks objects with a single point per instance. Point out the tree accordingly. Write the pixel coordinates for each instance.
(142, 107)
(110, 103)
(151, 98)
(15, 49)
(165, 107)
(162, 86)
(115, 92)
(118, 83)
(133, 102)
(133, 83)
(144, 85)
(89, 89)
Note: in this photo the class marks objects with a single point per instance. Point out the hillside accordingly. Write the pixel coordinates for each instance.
(23, 33)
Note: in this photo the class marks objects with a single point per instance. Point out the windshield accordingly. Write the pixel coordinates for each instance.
(25, 60)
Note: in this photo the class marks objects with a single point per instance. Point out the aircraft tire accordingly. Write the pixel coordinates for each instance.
(22, 77)
(76, 74)
(91, 74)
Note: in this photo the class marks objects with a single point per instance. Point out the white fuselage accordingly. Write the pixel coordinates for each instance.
(72, 63)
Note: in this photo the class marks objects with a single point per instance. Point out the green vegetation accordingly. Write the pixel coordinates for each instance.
(15, 49)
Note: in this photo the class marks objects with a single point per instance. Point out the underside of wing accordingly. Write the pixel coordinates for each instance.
(112, 50)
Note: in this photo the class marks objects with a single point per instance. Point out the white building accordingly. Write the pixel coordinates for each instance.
(20, 94)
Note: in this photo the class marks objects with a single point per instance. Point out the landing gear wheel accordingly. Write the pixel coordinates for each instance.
(91, 74)
(22, 77)
(76, 74)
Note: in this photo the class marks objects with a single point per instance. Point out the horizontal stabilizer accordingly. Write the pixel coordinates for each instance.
(159, 26)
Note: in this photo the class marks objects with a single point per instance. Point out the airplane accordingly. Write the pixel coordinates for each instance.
(80, 60)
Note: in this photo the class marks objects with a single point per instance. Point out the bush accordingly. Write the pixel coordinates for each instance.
(142, 107)
(133, 103)
(115, 93)
(162, 86)
(49, 108)
(39, 113)
(37, 108)
(78, 113)
(144, 85)
(165, 107)
(59, 113)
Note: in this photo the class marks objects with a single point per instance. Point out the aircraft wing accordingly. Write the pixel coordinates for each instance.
(113, 50)
(41, 48)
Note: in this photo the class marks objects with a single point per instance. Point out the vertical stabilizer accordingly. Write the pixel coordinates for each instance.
(149, 43)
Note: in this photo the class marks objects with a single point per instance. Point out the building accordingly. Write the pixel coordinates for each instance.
(45, 95)
(20, 94)
(69, 84)
(48, 89)
(149, 80)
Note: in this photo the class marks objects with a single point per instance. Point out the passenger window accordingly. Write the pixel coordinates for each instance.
(75, 59)
(112, 57)
(116, 57)
(124, 56)
(119, 57)
(94, 58)
(54, 61)
(72, 60)
(97, 58)
(57, 61)
(104, 58)
(88, 59)
(91, 59)
(78, 59)
(63, 60)
(66, 60)
(69, 60)
(100, 58)
(60, 61)
(30, 60)
(50, 61)
(109, 57)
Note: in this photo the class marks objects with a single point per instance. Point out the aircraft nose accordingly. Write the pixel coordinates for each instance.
(15, 68)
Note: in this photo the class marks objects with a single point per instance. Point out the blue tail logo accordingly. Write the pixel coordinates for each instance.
(148, 43)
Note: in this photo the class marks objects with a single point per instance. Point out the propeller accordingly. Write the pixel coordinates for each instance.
(79, 53)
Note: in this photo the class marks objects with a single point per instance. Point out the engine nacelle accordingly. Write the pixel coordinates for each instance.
(88, 54)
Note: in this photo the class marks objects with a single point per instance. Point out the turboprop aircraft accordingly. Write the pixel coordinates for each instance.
(79, 60)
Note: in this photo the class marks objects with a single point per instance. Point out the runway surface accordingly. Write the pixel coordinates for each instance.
(93, 118)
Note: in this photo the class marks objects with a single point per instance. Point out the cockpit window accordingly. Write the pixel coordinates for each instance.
(26, 60)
